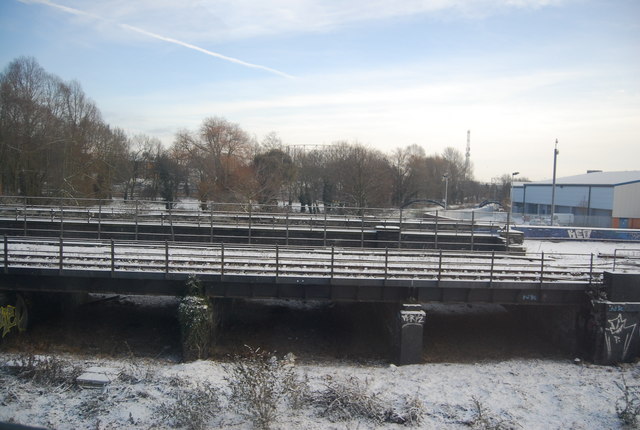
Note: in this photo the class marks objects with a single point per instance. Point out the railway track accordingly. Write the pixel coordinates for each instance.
(300, 262)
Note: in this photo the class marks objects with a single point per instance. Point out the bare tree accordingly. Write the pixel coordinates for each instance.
(52, 138)
(219, 153)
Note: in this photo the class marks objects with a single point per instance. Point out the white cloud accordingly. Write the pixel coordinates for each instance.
(217, 21)
(149, 34)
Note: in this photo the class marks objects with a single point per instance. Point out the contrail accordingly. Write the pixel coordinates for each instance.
(74, 11)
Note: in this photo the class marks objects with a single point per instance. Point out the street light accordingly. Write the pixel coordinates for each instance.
(513, 175)
(446, 188)
(553, 185)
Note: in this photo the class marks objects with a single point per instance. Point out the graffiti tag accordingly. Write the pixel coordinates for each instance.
(618, 332)
(8, 319)
(579, 233)
(415, 317)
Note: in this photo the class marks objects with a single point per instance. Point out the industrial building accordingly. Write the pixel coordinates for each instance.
(594, 199)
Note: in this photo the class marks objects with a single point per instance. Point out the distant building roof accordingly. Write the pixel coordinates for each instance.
(595, 178)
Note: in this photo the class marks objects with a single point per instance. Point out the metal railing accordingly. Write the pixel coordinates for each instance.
(62, 255)
(392, 227)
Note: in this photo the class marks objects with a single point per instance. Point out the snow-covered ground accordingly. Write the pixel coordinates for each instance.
(523, 394)
(512, 392)
(579, 246)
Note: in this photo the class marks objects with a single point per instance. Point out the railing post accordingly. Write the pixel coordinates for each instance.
(277, 261)
(324, 237)
(440, 268)
(362, 228)
(60, 255)
(166, 256)
(333, 251)
(287, 227)
(493, 256)
(211, 224)
(591, 270)
(173, 238)
(221, 260)
(24, 215)
(436, 233)
(400, 230)
(6, 254)
(136, 220)
(615, 257)
(250, 221)
(508, 235)
(113, 257)
(542, 268)
(472, 227)
(386, 262)
(100, 219)
(61, 221)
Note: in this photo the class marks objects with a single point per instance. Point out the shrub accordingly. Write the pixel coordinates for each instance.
(483, 418)
(197, 323)
(45, 370)
(344, 400)
(192, 407)
(350, 399)
(628, 406)
(260, 383)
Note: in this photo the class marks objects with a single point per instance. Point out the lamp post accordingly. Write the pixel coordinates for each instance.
(553, 184)
(513, 175)
(446, 188)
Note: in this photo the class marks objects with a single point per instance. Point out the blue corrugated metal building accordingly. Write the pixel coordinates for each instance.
(596, 199)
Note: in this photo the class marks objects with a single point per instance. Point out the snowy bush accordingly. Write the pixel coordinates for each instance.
(192, 406)
(196, 322)
(260, 383)
(484, 419)
(345, 400)
(350, 399)
(44, 370)
(628, 406)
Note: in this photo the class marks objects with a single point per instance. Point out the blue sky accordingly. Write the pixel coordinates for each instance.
(386, 73)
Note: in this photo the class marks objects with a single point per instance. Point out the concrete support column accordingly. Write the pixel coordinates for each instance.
(616, 319)
(616, 332)
(409, 334)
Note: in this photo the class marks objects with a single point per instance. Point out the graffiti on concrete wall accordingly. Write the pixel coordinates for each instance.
(8, 319)
(412, 317)
(619, 334)
(579, 233)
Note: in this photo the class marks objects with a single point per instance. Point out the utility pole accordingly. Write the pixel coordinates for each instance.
(553, 184)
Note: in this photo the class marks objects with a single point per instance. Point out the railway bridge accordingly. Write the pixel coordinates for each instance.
(403, 277)
(603, 293)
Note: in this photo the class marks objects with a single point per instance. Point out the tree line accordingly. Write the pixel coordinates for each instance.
(54, 142)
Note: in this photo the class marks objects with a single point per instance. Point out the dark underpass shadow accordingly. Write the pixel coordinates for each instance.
(362, 332)
(113, 326)
(313, 331)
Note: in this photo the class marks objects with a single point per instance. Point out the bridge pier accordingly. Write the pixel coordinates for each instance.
(615, 328)
(409, 334)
